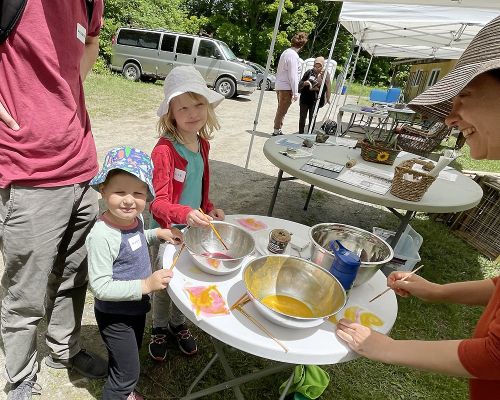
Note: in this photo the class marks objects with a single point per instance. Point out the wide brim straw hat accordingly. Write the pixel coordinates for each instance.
(482, 55)
(186, 79)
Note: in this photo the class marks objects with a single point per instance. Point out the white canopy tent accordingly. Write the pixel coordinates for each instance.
(407, 51)
(433, 29)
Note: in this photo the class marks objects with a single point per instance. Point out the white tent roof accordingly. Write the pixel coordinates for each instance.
(404, 51)
(413, 31)
(493, 4)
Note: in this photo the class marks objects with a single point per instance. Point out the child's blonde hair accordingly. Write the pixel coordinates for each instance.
(167, 126)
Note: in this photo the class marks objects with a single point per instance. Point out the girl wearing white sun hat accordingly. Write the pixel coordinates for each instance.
(469, 99)
(181, 180)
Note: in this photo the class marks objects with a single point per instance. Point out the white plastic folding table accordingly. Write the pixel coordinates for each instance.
(317, 346)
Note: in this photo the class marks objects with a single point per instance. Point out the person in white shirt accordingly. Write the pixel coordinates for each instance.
(287, 79)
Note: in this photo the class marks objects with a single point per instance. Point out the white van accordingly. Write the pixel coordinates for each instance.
(150, 54)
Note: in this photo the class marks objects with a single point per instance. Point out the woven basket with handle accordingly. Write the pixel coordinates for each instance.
(378, 152)
(409, 184)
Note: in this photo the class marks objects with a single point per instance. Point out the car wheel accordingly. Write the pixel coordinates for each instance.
(268, 85)
(259, 86)
(132, 72)
(226, 87)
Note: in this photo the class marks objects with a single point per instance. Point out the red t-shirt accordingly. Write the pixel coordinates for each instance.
(481, 354)
(40, 87)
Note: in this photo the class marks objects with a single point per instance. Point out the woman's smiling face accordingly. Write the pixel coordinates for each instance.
(476, 113)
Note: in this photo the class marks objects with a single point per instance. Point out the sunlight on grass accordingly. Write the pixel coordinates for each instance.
(111, 94)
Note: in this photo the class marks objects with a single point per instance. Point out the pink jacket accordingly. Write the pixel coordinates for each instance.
(165, 207)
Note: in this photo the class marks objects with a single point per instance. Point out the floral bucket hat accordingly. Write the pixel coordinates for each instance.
(130, 160)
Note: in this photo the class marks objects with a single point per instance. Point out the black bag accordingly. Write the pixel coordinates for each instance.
(10, 13)
(329, 127)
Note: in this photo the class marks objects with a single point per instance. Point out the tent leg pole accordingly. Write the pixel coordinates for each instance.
(264, 80)
(316, 106)
(352, 72)
(366, 74)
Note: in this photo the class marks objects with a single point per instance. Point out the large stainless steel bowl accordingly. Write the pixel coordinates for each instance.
(299, 279)
(207, 250)
(373, 251)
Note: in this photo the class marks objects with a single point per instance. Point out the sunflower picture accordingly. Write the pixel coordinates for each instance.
(382, 156)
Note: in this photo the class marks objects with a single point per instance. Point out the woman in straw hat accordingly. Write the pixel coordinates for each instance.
(467, 98)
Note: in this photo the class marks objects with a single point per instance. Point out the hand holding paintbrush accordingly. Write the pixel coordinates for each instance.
(402, 279)
(215, 231)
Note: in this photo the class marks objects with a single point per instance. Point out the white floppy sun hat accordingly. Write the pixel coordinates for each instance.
(186, 79)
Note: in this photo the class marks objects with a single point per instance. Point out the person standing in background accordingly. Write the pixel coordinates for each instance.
(47, 208)
(287, 79)
(309, 91)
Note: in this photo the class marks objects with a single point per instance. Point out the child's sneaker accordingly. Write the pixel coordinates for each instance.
(135, 396)
(158, 344)
(185, 340)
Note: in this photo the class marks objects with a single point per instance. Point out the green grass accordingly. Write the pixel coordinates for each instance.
(111, 94)
(465, 162)
(447, 258)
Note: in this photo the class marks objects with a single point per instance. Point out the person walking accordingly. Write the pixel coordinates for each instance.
(287, 79)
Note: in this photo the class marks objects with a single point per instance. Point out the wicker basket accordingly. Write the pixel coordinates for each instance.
(414, 189)
(378, 153)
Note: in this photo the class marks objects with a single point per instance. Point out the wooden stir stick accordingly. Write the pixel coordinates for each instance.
(215, 231)
(403, 279)
(262, 327)
(177, 257)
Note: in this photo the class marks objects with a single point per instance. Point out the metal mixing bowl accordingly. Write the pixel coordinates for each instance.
(297, 278)
(373, 251)
(201, 241)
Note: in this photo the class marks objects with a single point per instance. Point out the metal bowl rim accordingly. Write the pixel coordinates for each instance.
(364, 264)
(292, 317)
(224, 259)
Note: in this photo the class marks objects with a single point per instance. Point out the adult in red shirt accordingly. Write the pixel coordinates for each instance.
(47, 157)
(467, 98)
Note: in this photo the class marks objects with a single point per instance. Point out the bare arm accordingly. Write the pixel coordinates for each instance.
(436, 356)
(470, 292)
(476, 293)
(89, 55)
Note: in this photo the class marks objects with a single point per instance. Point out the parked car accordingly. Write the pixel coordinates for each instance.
(271, 78)
(150, 54)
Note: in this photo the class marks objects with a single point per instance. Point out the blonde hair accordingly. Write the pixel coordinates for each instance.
(167, 126)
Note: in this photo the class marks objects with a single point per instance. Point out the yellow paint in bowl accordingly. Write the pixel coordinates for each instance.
(287, 305)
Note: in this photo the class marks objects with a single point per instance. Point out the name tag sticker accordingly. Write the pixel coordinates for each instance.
(179, 175)
(81, 33)
(135, 242)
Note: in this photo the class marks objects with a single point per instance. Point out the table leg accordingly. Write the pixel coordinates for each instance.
(404, 221)
(233, 383)
(275, 193)
(287, 386)
(227, 369)
(308, 197)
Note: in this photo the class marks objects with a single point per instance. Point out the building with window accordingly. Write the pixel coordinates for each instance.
(425, 73)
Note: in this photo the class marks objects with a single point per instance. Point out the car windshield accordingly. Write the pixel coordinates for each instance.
(258, 68)
(227, 51)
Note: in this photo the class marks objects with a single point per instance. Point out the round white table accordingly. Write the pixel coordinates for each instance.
(318, 345)
(442, 197)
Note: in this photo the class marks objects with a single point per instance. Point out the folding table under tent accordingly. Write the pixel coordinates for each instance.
(425, 26)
